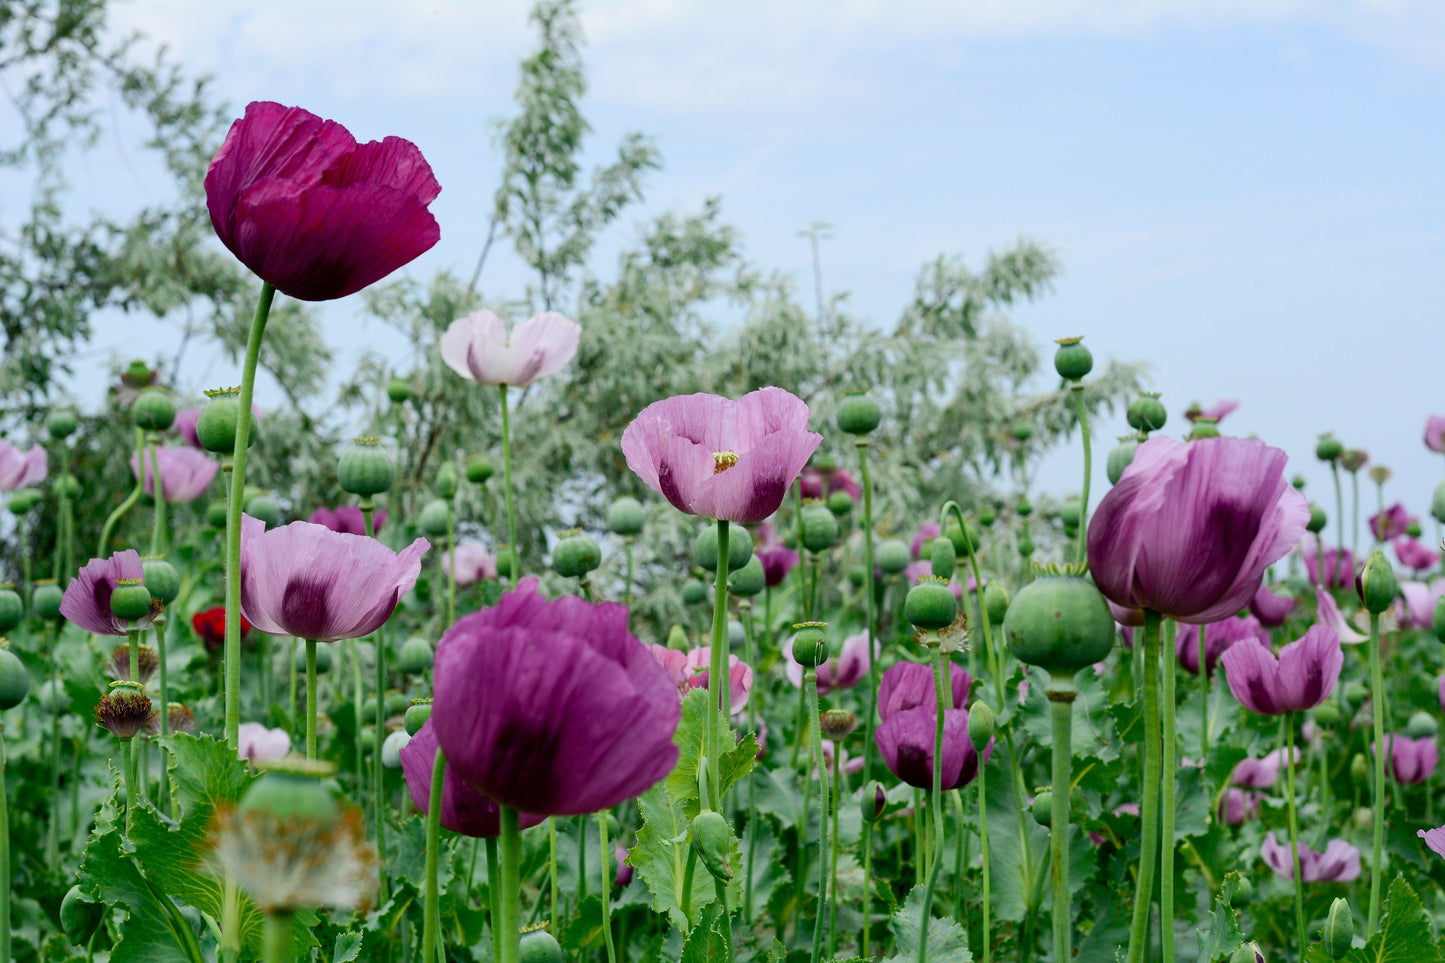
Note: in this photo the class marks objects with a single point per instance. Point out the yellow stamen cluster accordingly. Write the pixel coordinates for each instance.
(723, 460)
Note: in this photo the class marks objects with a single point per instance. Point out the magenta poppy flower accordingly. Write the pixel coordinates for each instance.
(1339, 863)
(623, 876)
(1218, 637)
(474, 563)
(842, 672)
(810, 483)
(1302, 677)
(907, 685)
(840, 480)
(308, 581)
(1328, 614)
(87, 598)
(21, 469)
(906, 741)
(1391, 523)
(256, 743)
(927, 532)
(553, 707)
(1420, 599)
(1412, 553)
(186, 473)
(718, 458)
(1270, 608)
(347, 519)
(185, 426)
(1190, 528)
(478, 347)
(688, 670)
(776, 558)
(1238, 807)
(1336, 571)
(1435, 433)
(464, 810)
(1411, 760)
(311, 211)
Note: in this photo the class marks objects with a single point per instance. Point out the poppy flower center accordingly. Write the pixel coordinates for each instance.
(723, 460)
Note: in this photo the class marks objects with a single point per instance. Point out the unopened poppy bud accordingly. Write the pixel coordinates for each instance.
(576, 555)
(1318, 519)
(892, 556)
(1072, 360)
(858, 414)
(810, 644)
(980, 726)
(1328, 448)
(711, 836)
(153, 410)
(1043, 807)
(1326, 713)
(963, 538)
(366, 468)
(1338, 935)
(837, 724)
(24, 499)
(416, 716)
(445, 482)
(434, 518)
(930, 604)
(626, 515)
(62, 423)
(216, 514)
(216, 427)
(45, 600)
(874, 802)
(840, 503)
(1059, 623)
(479, 468)
(1422, 725)
(995, 602)
(162, 580)
(1121, 456)
(398, 390)
(942, 558)
(14, 680)
(820, 528)
(693, 592)
(539, 946)
(1146, 413)
(748, 580)
(416, 656)
(130, 601)
(1204, 428)
(80, 915)
(1376, 583)
(1359, 769)
(392, 746)
(1247, 953)
(740, 548)
(12, 608)
(987, 516)
(263, 505)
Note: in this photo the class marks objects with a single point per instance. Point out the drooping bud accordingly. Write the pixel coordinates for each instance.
(1376, 583)
(942, 558)
(14, 680)
(416, 656)
(161, 579)
(858, 414)
(1146, 413)
(740, 548)
(45, 600)
(980, 725)
(445, 482)
(366, 468)
(1072, 360)
(216, 427)
(626, 515)
(416, 716)
(963, 538)
(820, 527)
(1247, 953)
(130, 601)
(576, 555)
(874, 802)
(748, 580)
(1059, 623)
(711, 836)
(1338, 935)
(995, 602)
(810, 644)
(930, 604)
(892, 556)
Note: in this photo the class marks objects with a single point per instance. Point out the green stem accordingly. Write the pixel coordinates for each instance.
(115, 516)
(745, 612)
(5, 894)
(52, 833)
(310, 699)
(996, 668)
(1340, 528)
(1166, 806)
(1299, 886)
(942, 700)
(1355, 512)
(278, 937)
(871, 718)
(581, 858)
(1061, 695)
(353, 648)
(128, 768)
(379, 735)
(133, 636)
(451, 567)
(1204, 691)
(552, 881)
(606, 890)
(833, 852)
(1149, 803)
(983, 844)
(509, 942)
(507, 485)
(1078, 392)
(810, 685)
(158, 532)
(231, 655)
(627, 589)
(1377, 696)
(719, 681)
(431, 917)
(494, 888)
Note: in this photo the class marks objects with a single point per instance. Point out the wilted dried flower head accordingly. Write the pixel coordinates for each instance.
(838, 724)
(119, 666)
(180, 719)
(125, 710)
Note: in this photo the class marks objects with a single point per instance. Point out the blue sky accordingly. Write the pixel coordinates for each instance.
(1249, 196)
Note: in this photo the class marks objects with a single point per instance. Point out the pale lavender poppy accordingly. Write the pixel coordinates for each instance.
(464, 810)
(256, 743)
(1435, 433)
(1339, 863)
(479, 347)
(842, 672)
(1411, 760)
(20, 469)
(87, 598)
(347, 519)
(907, 685)
(186, 473)
(1327, 613)
(1412, 553)
(1417, 610)
(718, 458)
(1190, 528)
(185, 426)
(1269, 607)
(1434, 838)
(308, 581)
(1218, 637)
(1302, 677)
(474, 563)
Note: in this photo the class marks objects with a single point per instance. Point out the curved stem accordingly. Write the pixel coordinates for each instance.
(1061, 709)
(719, 682)
(1299, 886)
(606, 890)
(509, 942)
(431, 916)
(1083, 414)
(1166, 806)
(231, 655)
(310, 699)
(1377, 696)
(1149, 804)
(810, 685)
(507, 485)
(108, 529)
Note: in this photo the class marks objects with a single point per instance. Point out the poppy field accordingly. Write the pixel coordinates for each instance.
(598, 634)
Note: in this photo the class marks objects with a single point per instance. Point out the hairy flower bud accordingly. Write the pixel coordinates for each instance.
(1339, 932)
(1376, 583)
(711, 836)
(942, 558)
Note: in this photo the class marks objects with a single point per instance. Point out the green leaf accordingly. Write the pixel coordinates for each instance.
(708, 942)
(206, 770)
(947, 942)
(1403, 937)
(1222, 936)
(734, 762)
(1013, 894)
(660, 858)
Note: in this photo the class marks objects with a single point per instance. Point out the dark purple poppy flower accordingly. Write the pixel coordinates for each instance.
(1190, 528)
(1218, 637)
(906, 741)
(1330, 568)
(19, 469)
(1339, 863)
(1412, 760)
(347, 519)
(1302, 677)
(907, 685)
(1391, 523)
(308, 581)
(464, 810)
(87, 597)
(311, 211)
(553, 707)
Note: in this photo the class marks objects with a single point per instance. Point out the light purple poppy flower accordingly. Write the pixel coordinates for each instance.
(1412, 553)
(1336, 571)
(1190, 528)
(256, 743)
(186, 473)
(1434, 838)
(553, 707)
(1435, 433)
(1411, 760)
(1218, 637)
(21, 469)
(1391, 523)
(718, 458)
(1417, 610)
(688, 670)
(1256, 773)
(347, 519)
(1339, 863)
(1238, 807)
(474, 563)
(907, 685)
(927, 532)
(1302, 677)
(185, 426)
(1327, 613)
(87, 598)
(906, 741)
(308, 581)
(1270, 608)
(464, 810)
(478, 347)
(842, 672)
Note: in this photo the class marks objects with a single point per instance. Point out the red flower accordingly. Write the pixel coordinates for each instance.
(210, 625)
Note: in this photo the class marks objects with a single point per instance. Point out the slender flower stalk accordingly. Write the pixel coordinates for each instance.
(277, 937)
(718, 679)
(310, 699)
(1377, 697)
(870, 719)
(5, 893)
(810, 687)
(507, 485)
(1299, 886)
(451, 566)
(1339, 508)
(1077, 390)
(943, 700)
(506, 922)
(160, 528)
(1149, 803)
(983, 844)
(1170, 749)
(378, 800)
(1204, 694)
(1061, 694)
(606, 891)
(431, 917)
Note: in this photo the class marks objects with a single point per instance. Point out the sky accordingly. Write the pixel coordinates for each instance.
(1248, 196)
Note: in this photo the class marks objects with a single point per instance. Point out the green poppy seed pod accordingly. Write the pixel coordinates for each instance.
(416, 716)
(625, 516)
(1328, 448)
(45, 600)
(1422, 725)
(810, 644)
(507, 566)
(1247, 953)
(1026, 545)
(137, 374)
(323, 660)
(576, 555)
(398, 390)
(962, 538)
(1376, 583)
(24, 499)
(1071, 511)
(392, 746)
(840, 503)
(874, 802)
(930, 605)
(263, 505)
(153, 409)
(1021, 430)
(1318, 519)
(12, 608)
(995, 602)
(479, 468)
(291, 793)
(740, 548)
(1072, 360)
(1121, 456)
(1326, 713)
(1059, 623)
(1024, 508)
(1042, 807)
(1146, 413)
(892, 556)
(62, 423)
(539, 946)
(367, 736)
(130, 601)
(1413, 529)
(942, 558)
(1338, 935)
(1437, 503)
(445, 482)
(52, 697)
(858, 414)
(14, 680)
(416, 656)
(826, 464)
(980, 725)
(987, 516)
(711, 836)
(1359, 769)
(748, 580)
(80, 916)
(1204, 428)
(820, 528)
(66, 486)
(693, 592)
(161, 580)
(216, 427)
(855, 576)
(216, 514)
(433, 518)
(365, 468)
